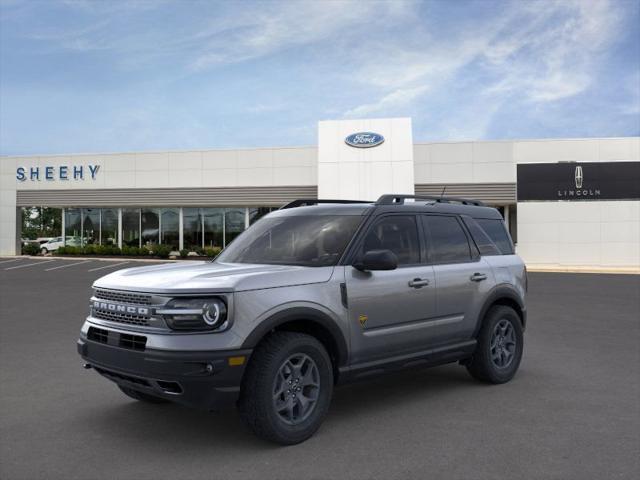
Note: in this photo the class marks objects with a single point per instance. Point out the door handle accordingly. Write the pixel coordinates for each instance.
(418, 283)
(478, 277)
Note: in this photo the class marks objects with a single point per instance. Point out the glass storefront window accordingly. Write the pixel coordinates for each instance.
(109, 226)
(90, 226)
(192, 228)
(213, 227)
(131, 227)
(234, 223)
(150, 226)
(170, 227)
(72, 227)
(256, 213)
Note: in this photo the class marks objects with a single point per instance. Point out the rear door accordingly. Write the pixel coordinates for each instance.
(462, 277)
(389, 311)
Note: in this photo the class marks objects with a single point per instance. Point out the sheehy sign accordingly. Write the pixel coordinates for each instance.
(60, 172)
(575, 181)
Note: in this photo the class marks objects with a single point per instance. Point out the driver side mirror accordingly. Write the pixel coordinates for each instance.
(377, 260)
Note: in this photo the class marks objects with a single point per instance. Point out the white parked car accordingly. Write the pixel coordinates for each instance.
(56, 242)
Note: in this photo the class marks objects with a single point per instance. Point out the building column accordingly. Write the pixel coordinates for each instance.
(64, 227)
(119, 228)
(18, 236)
(180, 231)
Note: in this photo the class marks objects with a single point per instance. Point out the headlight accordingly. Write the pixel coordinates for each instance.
(195, 313)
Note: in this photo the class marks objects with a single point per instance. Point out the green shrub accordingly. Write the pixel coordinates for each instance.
(68, 250)
(112, 250)
(212, 252)
(183, 253)
(89, 250)
(162, 251)
(31, 249)
(144, 251)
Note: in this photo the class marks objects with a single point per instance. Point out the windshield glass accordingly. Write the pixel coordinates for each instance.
(310, 241)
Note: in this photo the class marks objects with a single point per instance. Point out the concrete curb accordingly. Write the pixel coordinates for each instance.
(599, 270)
(530, 268)
(97, 259)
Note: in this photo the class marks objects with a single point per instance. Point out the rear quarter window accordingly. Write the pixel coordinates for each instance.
(497, 232)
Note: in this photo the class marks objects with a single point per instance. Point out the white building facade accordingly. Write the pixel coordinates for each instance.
(567, 202)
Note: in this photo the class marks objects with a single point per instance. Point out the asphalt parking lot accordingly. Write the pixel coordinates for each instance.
(572, 412)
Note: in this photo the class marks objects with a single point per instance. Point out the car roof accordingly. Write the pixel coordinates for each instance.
(365, 208)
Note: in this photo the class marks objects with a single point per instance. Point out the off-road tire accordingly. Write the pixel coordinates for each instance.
(481, 365)
(141, 396)
(256, 404)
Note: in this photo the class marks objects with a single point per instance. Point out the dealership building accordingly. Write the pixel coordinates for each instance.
(566, 202)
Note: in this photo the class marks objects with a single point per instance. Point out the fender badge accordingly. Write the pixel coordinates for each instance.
(362, 319)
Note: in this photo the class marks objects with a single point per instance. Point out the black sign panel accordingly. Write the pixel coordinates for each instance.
(579, 181)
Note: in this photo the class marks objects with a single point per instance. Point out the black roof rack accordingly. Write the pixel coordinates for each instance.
(391, 199)
(301, 202)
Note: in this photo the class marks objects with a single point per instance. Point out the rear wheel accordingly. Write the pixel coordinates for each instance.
(141, 396)
(287, 388)
(499, 349)
(44, 251)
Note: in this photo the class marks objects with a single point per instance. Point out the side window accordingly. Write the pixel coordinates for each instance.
(483, 242)
(447, 241)
(498, 233)
(397, 233)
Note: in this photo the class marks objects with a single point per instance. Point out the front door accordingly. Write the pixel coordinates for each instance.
(390, 310)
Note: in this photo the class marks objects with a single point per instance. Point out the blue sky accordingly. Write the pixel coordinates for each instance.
(89, 76)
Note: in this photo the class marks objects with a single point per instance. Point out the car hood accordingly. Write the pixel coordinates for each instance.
(195, 277)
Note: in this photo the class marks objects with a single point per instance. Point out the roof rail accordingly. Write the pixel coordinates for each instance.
(301, 202)
(391, 199)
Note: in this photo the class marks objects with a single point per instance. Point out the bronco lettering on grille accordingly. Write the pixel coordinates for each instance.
(114, 307)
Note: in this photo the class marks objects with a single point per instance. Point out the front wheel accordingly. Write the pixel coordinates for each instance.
(287, 388)
(499, 349)
(44, 251)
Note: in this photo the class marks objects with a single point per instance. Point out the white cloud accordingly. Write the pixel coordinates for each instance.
(396, 99)
(289, 25)
(537, 51)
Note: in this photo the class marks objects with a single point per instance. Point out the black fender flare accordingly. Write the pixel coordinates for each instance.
(307, 314)
(498, 293)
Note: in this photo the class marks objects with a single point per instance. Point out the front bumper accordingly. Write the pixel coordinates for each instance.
(205, 380)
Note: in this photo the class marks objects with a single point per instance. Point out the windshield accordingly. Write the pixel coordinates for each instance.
(310, 241)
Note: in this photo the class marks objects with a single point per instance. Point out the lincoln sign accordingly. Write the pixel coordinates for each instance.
(575, 181)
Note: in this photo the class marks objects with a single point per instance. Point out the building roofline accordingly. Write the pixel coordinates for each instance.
(302, 147)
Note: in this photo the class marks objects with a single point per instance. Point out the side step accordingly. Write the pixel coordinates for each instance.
(431, 358)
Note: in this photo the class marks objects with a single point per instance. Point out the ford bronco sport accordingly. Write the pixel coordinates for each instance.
(315, 294)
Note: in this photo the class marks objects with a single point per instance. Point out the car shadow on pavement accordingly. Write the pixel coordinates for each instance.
(148, 426)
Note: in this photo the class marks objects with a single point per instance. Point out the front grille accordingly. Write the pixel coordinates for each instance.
(119, 376)
(128, 318)
(133, 342)
(98, 335)
(123, 297)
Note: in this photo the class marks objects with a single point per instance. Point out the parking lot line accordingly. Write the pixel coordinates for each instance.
(106, 266)
(30, 264)
(65, 266)
(9, 261)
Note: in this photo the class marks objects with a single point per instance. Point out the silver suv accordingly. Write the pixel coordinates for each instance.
(318, 293)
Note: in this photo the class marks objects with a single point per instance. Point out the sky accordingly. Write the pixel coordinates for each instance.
(84, 76)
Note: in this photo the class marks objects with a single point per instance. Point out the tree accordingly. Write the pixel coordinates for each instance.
(41, 222)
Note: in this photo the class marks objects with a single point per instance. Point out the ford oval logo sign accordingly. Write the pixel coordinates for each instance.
(364, 139)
